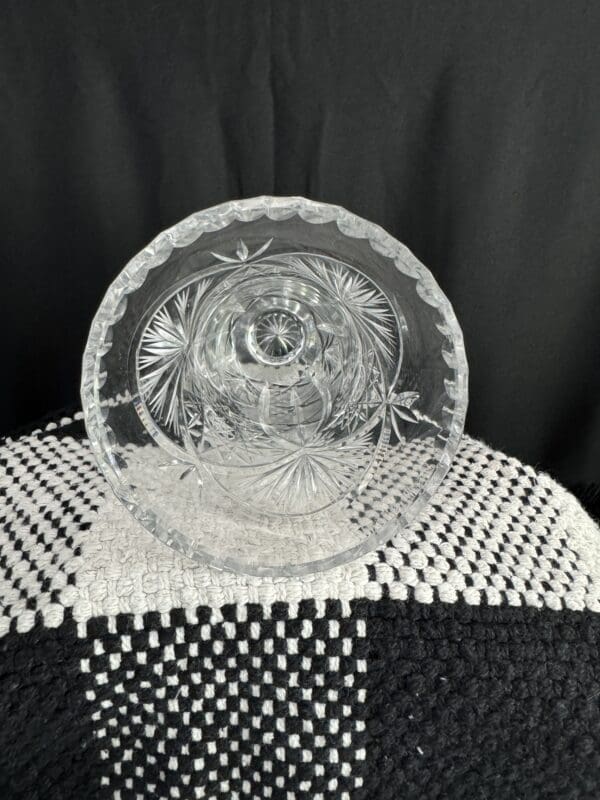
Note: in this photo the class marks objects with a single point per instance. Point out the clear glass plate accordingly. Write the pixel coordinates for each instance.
(274, 386)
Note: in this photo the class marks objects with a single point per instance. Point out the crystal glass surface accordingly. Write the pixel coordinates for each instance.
(274, 386)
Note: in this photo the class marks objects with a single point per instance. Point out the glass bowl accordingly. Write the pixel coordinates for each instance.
(274, 386)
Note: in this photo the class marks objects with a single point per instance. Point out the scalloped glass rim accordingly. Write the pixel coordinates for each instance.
(185, 233)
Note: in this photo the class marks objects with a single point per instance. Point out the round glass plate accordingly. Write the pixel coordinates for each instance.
(274, 386)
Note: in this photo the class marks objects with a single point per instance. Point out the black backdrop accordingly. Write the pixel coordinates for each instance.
(469, 130)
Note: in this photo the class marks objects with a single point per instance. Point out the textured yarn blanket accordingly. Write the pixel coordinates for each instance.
(461, 660)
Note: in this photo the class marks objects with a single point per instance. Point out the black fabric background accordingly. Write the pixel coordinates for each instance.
(470, 130)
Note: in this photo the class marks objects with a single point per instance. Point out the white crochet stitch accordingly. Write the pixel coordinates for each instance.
(495, 532)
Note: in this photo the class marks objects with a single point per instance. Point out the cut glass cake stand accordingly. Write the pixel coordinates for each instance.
(274, 386)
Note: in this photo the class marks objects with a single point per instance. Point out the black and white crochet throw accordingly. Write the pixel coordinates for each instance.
(460, 660)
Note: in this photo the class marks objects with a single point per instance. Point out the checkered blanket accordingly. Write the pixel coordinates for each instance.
(460, 660)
